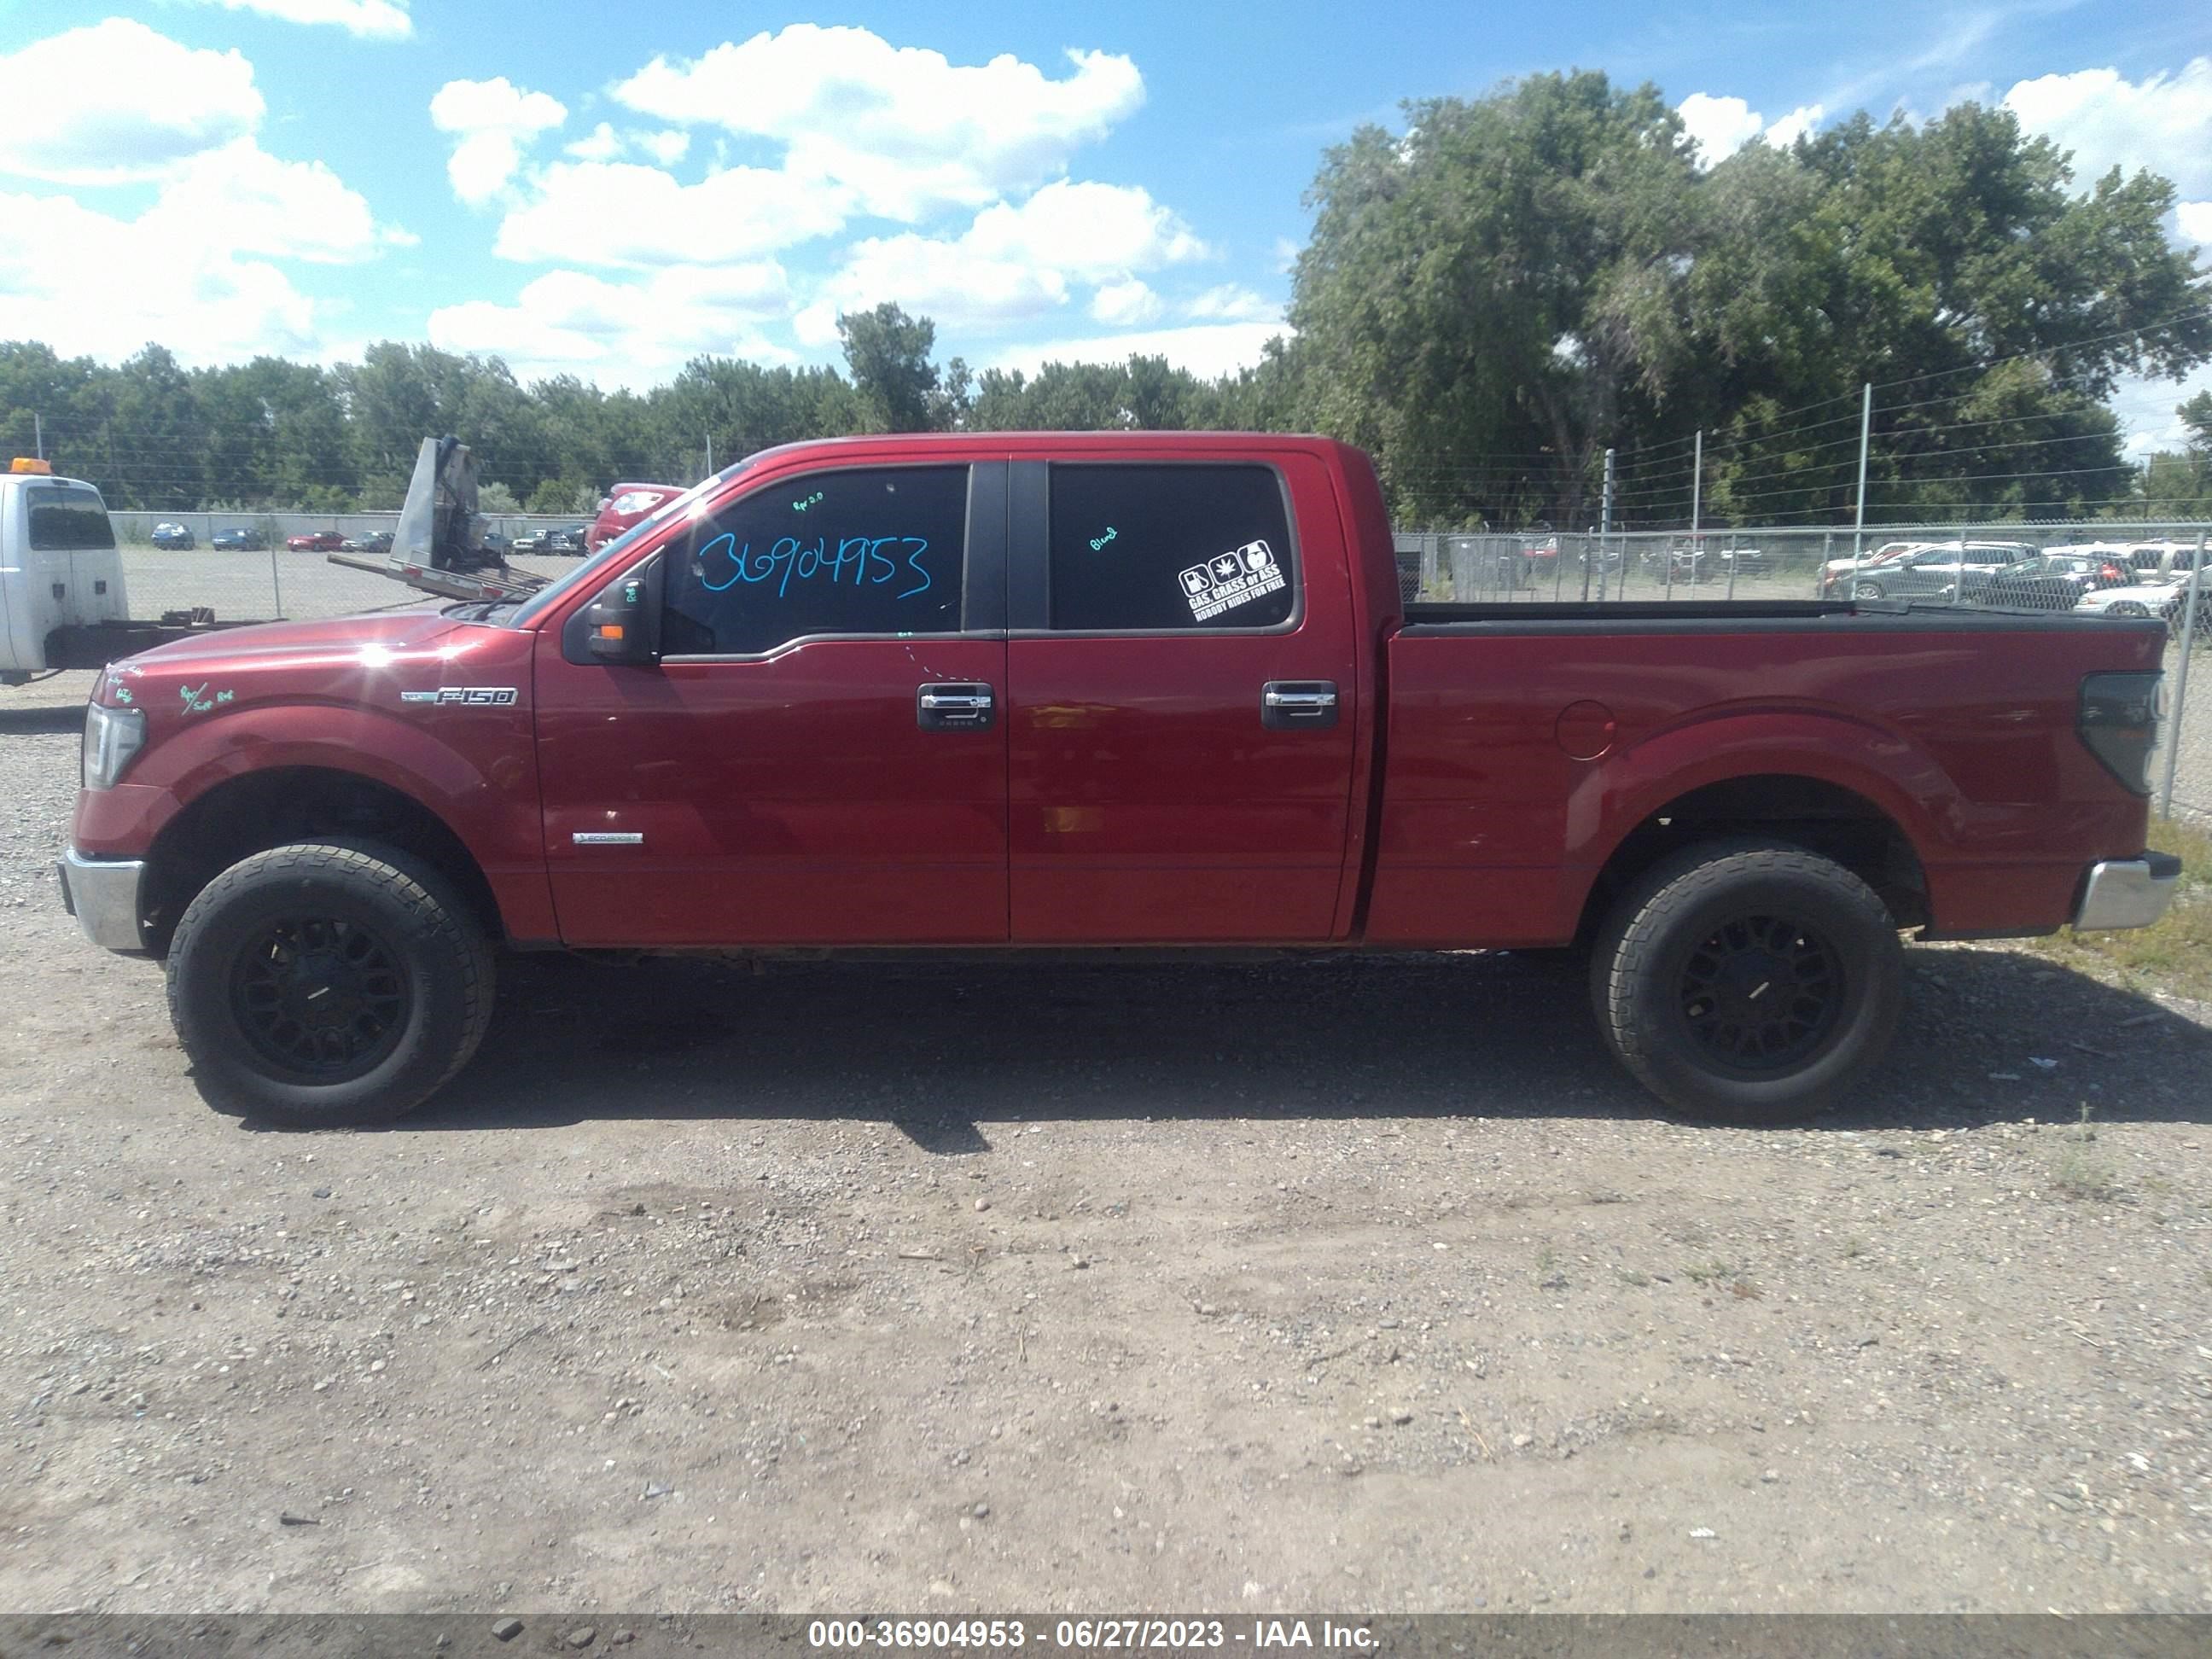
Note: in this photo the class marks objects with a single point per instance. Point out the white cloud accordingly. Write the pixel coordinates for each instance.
(1230, 303)
(373, 19)
(1012, 263)
(636, 332)
(495, 121)
(948, 283)
(666, 148)
(242, 198)
(1086, 231)
(602, 143)
(1125, 304)
(2163, 122)
(904, 129)
(614, 213)
(1722, 126)
(2195, 219)
(1798, 124)
(86, 282)
(116, 101)
(1206, 350)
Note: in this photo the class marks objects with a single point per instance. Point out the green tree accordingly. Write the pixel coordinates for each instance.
(1490, 299)
(888, 353)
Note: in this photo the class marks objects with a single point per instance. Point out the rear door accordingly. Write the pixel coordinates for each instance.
(819, 758)
(1182, 702)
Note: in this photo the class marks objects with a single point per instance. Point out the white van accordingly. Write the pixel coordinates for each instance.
(61, 578)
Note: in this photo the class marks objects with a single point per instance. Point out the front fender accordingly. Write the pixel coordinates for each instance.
(472, 769)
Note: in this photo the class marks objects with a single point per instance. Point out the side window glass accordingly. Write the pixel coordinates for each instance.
(859, 550)
(1194, 547)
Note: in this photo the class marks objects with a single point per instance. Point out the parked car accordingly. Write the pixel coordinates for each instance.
(2166, 597)
(237, 541)
(627, 504)
(2047, 581)
(726, 734)
(1938, 570)
(566, 538)
(1837, 575)
(373, 541)
(173, 536)
(530, 541)
(315, 541)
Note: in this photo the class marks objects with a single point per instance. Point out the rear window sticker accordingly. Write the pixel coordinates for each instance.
(1230, 579)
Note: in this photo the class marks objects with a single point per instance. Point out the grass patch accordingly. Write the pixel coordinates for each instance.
(2079, 1173)
(2176, 954)
(1706, 1272)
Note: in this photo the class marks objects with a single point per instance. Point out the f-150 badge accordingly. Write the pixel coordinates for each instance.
(494, 696)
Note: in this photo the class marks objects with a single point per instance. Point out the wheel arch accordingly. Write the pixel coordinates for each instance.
(1832, 819)
(255, 811)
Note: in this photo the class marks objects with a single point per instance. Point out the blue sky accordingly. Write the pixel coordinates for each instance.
(608, 190)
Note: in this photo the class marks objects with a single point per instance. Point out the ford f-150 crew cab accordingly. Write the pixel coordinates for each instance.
(1071, 691)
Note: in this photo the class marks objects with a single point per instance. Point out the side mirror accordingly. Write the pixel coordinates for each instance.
(621, 625)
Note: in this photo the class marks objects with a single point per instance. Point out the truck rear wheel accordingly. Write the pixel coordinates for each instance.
(328, 983)
(1749, 981)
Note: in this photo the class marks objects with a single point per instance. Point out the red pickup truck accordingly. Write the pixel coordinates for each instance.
(1097, 690)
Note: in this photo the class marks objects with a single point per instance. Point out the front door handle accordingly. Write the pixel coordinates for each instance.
(950, 706)
(1298, 705)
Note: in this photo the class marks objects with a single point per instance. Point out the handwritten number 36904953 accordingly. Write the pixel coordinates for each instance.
(859, 560)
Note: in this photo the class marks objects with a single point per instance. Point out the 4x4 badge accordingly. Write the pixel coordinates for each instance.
(494, 696)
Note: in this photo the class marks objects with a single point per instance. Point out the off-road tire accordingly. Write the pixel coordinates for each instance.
(438, 961)
(1666, 931)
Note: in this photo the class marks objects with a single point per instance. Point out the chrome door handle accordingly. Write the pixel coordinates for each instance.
(1285, 705)
(945, 705)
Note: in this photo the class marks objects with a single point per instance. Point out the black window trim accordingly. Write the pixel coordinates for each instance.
(980, 522)
(1029, 580)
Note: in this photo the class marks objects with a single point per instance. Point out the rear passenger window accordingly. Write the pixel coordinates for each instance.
(1170, 547)
(64, 520)
(875, 550)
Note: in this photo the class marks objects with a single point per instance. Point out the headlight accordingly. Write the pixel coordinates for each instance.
(112, 736)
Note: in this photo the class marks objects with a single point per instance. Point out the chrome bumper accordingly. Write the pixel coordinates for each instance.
(102, 894)
(2127, 892)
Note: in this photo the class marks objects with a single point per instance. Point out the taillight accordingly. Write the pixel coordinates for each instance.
(2120, 722)
(2110, 573)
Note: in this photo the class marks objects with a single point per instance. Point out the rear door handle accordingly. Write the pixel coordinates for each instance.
(950, 706)
(1298, 705)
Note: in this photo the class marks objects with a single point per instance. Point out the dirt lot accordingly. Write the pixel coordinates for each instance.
(1366, 1286)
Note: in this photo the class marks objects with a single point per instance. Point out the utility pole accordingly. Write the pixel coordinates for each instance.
(1604, 523)
(710, 454)
(39, 434)
(1866, 429)
(2195, 600)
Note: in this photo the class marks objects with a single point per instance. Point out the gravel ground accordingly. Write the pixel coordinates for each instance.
(1367, 1286)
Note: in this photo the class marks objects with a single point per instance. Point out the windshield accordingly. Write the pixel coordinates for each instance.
(689, 502)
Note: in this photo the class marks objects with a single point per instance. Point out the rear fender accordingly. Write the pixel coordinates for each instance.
(1622, 792)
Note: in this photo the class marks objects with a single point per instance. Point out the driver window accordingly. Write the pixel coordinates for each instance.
(863, 551)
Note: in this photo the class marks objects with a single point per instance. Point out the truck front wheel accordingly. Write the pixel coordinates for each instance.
(1749, 981)
(328, 983)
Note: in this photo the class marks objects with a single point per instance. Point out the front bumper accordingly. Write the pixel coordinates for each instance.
(2127, 892)
(102, 894)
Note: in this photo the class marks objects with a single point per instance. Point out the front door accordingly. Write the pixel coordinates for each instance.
(1183, 686)
(819, 758)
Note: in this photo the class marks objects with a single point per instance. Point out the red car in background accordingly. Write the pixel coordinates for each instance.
(315, 541)
(625, 504)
